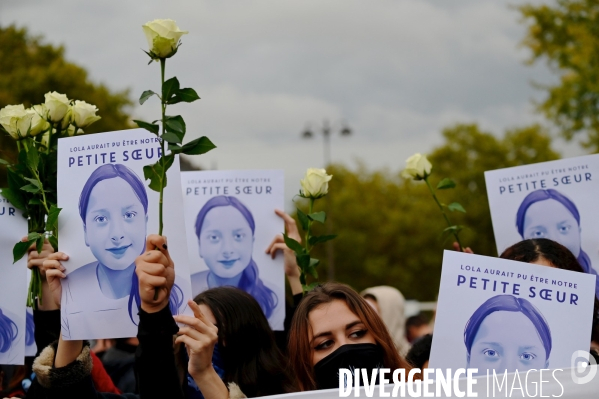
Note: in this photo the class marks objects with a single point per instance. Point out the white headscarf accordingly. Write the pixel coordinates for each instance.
(391, 306)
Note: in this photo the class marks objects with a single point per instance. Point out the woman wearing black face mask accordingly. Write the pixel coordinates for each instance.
(333, 328)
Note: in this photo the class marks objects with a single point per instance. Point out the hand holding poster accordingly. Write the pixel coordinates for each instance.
(498, 314)
(230, 220)
(555, 200)
(13, 286)
(105, 218)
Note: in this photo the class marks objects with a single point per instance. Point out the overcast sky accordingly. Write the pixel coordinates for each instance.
(396, 72)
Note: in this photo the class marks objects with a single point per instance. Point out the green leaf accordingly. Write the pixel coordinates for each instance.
(174, 148)
(198, 146)
(152, 127)
(33, 158)
(30, 188)
(303, 219)
(54, 242)
(455, 206)
(145, 96)
(318, 216)
(184, 95)
(20, 249)
(52, 221)
(169, 88)
(175, 124)
(155, 171)
(309, 287)
(293, 245)
(445, 184)
(453, 229)
(318, 239)
(14, 198)
(4, 162)
(171, 138)
(39, 244)
(303, 261)
(33, 236)
(34, 201)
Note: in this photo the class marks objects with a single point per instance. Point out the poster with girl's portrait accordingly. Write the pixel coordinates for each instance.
(556, 200)
(108, 210)
(13, 286)
(230, 221)
(499, 314)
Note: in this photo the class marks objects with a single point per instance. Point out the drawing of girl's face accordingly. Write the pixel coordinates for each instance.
(507, 341)
(115, 224)
(550, 219)
(226, 241)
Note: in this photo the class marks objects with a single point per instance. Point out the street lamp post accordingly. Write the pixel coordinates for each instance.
(326, 132)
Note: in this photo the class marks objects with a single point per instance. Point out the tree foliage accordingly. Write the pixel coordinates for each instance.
(566, 35)
(29, 68)
(389, 229)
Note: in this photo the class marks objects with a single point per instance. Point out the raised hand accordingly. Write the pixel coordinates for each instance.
(35, 259)
(292, 270)
(156, 274)
(54, 272)
(199, 336)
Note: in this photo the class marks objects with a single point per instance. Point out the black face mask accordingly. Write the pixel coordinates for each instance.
(351, 356)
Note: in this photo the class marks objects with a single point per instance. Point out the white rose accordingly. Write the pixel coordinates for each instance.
(46, 139)
(417, 167)
(57, 105)
(38, 124)
(71, 131)
(84, 114)
(67, 119)
(163, 37)
(315, 183)
(16, 120)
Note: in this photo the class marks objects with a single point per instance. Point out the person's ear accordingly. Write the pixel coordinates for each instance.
(85, 235)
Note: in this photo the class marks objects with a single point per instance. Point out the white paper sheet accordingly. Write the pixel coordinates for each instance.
(13, 286)
(103, 174)
(555, 200)
(498, 314)
(232, 214)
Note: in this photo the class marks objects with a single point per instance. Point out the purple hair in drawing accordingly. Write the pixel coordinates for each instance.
(8, 332)
(543, 195)
(111, 171)
(508, 303)
(250, 281)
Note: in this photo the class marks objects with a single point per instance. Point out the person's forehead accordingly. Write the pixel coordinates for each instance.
(112, 191)
(503, 325)
(547, 210)
(224, 216)
(332, 316)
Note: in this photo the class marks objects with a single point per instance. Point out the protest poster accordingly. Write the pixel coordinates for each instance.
(107, 212)
(554, 200)
(230, 221)
(498, 314)
(13, 286)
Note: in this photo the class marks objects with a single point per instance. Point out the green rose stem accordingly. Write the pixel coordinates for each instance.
(449, 224)
(163, 102)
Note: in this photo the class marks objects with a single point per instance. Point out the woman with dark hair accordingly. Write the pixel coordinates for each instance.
(507, 333)
(113, 207)
(334, 327)
(243, 352)
(550, 214)
(225, 230)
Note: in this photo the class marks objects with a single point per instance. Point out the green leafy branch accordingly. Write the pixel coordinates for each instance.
(173, 133)
(446, 184)
(306, 263)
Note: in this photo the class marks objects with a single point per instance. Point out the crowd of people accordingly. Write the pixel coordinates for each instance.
(227, 348)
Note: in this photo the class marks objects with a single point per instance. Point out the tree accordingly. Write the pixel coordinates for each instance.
(566, 35)
(390, 229)
(29, 68)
